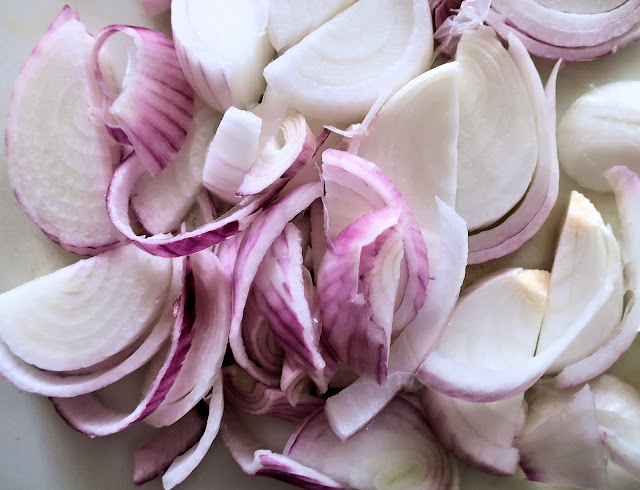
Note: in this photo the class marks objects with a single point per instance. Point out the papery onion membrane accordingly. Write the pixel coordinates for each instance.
(318, 77)
(154, 109)
(222, 48)
(59, 160)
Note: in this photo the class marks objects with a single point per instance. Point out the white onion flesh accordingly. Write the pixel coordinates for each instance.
(599, 131)
(86, 312)
(336, 76)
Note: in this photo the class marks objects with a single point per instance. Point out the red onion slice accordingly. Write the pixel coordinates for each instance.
(279, 290)
(256, 398)
(87, 415)
(153, 459)
(357, 404)
(154, 110)
(532, 212)
(236, 220)
(204, 359)
(561, 445)
(59, 160)
(262, 462)
(257, 241)
(294, 382)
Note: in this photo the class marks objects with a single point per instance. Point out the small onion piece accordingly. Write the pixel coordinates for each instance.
(155, 7)
(255, 244)
(154, 109)
(58, 159)
(599, 131)
(497, 146)
(352, 408)
(111, 299)
(534, 209)
(294, 382)
(246, 451)
(398, 450)
(561, 443)
(253, 397)
(223, 48)
(452, 18)
(318, 78)
(160, 203)
(292, 20)
(86, 413)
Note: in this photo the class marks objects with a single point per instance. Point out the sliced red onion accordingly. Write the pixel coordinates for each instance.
(227, 252)
(357, 404)
(204, 359)
(223, 48)
(463, 440)
(533, 210)
(626, 186)
(155, 7)
(292, 20)
(398, 450)
(318, 235)
(357, 287)
(154, 109)
(111, 299)
(59, 167)
(497, 146)
(294, 382)
(585, 243)
(571, 32)
(236, 220)
(160, 203)
(62, 385)
(86, 414)
(561, 442)
(257, 241)
(618, 410)
(318, 77)
(354, 187)
(418, 151)
(279, 290)
(282, 156)
(256, 398)
(599, 131)
(184, 464)
(262, 462)
(153, 459)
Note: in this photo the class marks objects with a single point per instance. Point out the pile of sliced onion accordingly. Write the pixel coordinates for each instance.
(252, 257)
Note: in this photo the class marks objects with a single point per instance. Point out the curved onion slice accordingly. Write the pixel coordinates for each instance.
(534, 209)
(155, 7)
(204, 360)
(599, 131)
(398, 450)
(497, 146)
(253, 397)
(294, 382)
(626, 186)
(416, 149)
(567, 31)
(355, 187)
(233, 222)
(585, 244)
(561, 443)
(291, 20)
(358, 403)
(255, 461)
(154, 109)
(357, 286)
(618, 410)
(223, 47)
(257, 241)
(59, 160)
(88, 311)
(279, 290)
(86, 413)
(160, 203)
(334, 76)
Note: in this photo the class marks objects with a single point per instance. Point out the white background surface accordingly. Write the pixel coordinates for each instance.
(37, 449)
